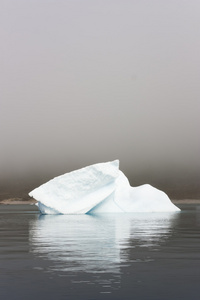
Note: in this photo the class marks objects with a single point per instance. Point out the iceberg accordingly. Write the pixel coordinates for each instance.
(99, 188)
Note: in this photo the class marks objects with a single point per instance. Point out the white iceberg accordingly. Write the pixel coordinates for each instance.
(99, 188)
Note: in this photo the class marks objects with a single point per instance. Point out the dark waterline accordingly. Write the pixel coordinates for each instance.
(130, 256)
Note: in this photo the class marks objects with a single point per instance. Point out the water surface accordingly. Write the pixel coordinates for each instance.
(111, 256)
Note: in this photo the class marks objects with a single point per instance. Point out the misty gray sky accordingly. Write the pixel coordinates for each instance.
(95, 80)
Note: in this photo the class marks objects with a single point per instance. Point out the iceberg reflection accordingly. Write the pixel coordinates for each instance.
(97, 243)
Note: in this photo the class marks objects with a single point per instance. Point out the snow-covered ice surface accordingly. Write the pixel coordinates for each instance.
(99, 188)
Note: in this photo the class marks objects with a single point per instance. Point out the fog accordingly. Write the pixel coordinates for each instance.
(91, 81)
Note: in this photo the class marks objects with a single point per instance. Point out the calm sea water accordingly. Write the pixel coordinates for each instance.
(130, 256)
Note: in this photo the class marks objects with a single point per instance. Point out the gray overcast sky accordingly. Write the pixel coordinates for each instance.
(95, 80)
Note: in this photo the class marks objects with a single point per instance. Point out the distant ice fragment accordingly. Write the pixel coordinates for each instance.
(99, 188)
